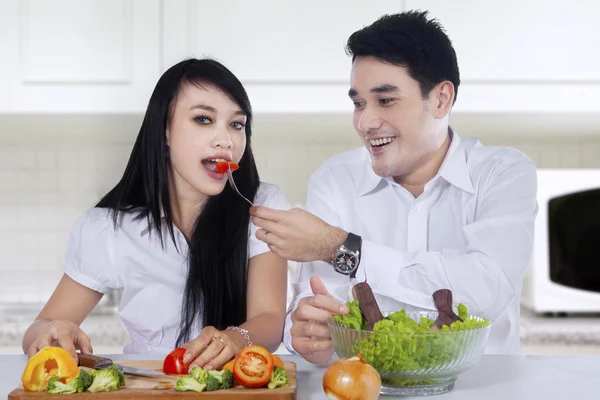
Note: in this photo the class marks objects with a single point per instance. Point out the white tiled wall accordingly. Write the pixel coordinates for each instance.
(47, 179)
(576, 152)
(44, 185)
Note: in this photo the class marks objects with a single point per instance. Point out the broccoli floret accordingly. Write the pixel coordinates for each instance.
(225, 378)
(198, 374)
(278, 378)
(105, 380)
(202, 376)
(77, 385)
(189, 384)
(211, 383)
(86, 379)
(55, 386)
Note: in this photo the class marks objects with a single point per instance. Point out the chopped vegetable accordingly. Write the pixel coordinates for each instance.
(188, 384)
(229, 365)
(253, 366)
(351, 379)
(106, 380)
(401, 319)
(224, 377)
(354, 319)
(278, 378)
(389, 348)
(77, 385)
(463, 312)
(47, 363)
(211, 383)
(173, 363)
(199, 374)
(204, 377)
(277, 361)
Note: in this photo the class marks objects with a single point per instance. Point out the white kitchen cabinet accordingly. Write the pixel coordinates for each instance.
(533, 41)
(105, 56)
(535, 55)
(266, 41)
(78, 56)
(289, 54)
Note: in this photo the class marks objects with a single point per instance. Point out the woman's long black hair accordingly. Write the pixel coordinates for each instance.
(217, 275)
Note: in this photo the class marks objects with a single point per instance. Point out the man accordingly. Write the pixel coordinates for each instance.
(417, 209)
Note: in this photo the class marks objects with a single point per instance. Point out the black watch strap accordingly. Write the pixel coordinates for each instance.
(353, 242)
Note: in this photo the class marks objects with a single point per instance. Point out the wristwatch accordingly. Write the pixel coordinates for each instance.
(346, 258)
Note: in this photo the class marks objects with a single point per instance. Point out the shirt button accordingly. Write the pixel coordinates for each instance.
(416, 208)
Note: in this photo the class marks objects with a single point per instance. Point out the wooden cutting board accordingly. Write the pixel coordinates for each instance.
(163, 388)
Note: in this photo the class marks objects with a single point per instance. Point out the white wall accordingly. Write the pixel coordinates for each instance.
(54, 167)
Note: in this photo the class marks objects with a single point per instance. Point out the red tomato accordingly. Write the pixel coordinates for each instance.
(173, 363)
(253, 366)
(223, 166)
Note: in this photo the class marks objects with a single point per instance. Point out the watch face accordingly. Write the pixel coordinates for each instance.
(345, 262)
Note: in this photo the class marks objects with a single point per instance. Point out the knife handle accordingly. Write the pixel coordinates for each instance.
(91, 361)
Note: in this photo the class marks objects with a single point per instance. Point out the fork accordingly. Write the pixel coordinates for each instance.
(233, 186)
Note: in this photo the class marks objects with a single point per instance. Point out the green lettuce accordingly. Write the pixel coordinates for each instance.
(397, 344)
(354, 319)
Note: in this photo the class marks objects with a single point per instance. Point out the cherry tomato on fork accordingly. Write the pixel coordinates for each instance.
(223, 166)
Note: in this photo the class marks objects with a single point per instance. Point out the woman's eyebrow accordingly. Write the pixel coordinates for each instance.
(214, 110)
(204, 107)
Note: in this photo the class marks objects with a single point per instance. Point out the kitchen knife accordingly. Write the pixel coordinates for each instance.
(96, 362)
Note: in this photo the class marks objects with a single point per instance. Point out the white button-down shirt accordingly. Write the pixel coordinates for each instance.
(470, 231)
(152, 279)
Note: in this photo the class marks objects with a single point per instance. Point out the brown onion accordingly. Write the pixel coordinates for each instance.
(351, 379)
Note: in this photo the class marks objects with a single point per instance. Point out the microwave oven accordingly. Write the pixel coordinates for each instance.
(564, 272)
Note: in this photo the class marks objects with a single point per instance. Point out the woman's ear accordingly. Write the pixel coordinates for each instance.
(168, 137)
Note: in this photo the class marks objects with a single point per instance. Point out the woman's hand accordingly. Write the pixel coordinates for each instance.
(211, 350)
(68, 335)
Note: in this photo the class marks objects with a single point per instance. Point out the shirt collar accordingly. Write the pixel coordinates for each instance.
(369, 180)
(181, 242)
(454, 170)
(146, 222)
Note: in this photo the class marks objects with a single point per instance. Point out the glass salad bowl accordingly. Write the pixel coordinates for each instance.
(412, 363)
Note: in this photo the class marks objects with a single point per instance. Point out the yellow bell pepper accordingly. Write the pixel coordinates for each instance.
(48, 362)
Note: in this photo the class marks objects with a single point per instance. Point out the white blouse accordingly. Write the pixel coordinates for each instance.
(152, 279)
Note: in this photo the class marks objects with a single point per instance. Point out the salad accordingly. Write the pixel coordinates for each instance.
(398, 343)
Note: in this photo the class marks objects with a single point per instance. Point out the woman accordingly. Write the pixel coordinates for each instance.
(174, 236)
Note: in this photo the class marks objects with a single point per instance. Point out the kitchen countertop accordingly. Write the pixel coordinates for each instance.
(496, 377)
(570, 329)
